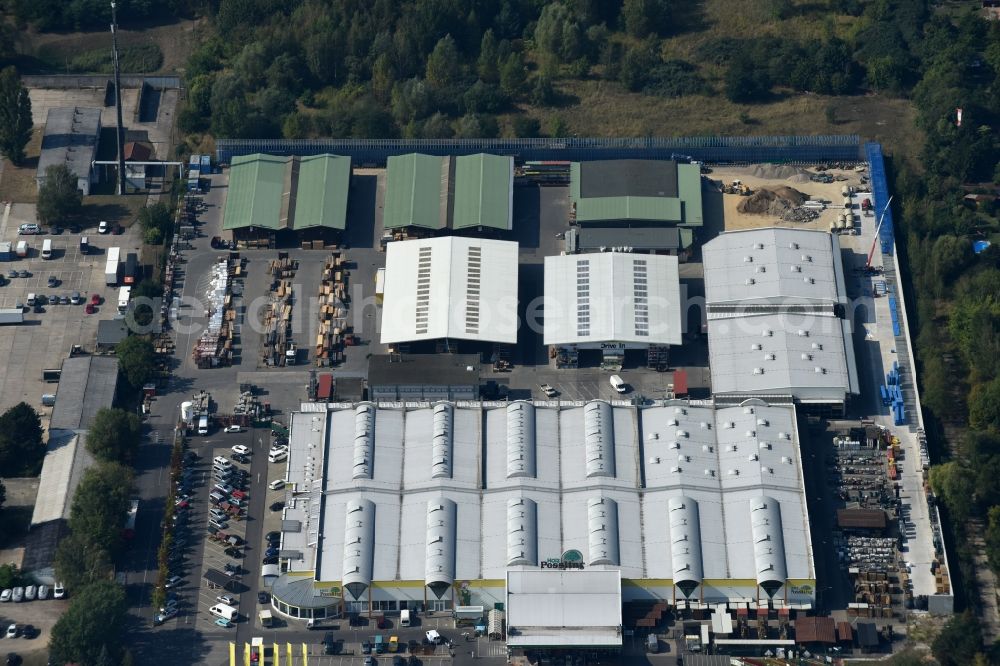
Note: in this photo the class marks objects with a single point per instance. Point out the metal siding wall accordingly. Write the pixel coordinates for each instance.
(749, 149)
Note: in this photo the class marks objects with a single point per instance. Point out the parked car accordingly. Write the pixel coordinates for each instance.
(277, 506)
(6, 594)
(30, 631)
(75, 298)
(18, 595)
(223, 622)
(548, 390)
(30, 592)
(226, 599)
(29, 229)
(263, 597)
(102, 228)
(173, 582)
(277, 484)
(269, 560)
(273, 536)
(233, 428)
(160, 618)
(271, 552)
(24, 274)
(240, 458)
(14, 659)
(13, 631)
(169, 605)
(235, 553)
(52, 281)
(241, 449)
(58, 591)
(223, 488)
(43, 592)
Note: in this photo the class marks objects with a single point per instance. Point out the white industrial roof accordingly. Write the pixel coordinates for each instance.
(62, 469)
(810, 357)
(451, 287)
(612, 297)
(571, 608)
(773, 266)
(482, 489)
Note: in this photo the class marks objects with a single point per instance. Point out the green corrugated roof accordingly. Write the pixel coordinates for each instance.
(413, 192)
(321, 192)
(689, 191)
(256, 187)
(654, 209)
(483, 191)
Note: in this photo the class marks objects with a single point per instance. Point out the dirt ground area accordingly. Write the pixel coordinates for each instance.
(830, 192)
(15, 517)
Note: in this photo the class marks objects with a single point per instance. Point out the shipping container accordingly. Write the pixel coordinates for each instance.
(111, 266)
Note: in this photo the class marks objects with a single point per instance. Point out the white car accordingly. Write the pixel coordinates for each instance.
(233, 428)
(6, 594)
(548, 390)
(30, 593)
(241, 449)
(43, 592)
(102, 228)
(226, 599)
(12, 631)
(277, 484)
(18, 595)
(28, 229)
(58, 591)
(277, 456)
(618, 384)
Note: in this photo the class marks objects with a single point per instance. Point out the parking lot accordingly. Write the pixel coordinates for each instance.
(41, 614)
(46, 337)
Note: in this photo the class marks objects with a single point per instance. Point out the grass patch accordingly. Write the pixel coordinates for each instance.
(134, 58)
(112, 208)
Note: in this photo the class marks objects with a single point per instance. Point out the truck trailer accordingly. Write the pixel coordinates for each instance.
(111, 267)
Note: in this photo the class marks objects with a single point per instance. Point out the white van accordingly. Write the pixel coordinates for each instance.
(47, 248)
(224, 611)
(221, 462)
(203, 424)
(124, 294)
(32, 299)
(22, 249)
(277, 456)
(404, 618)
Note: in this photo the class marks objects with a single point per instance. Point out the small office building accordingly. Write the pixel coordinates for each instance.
(428, 195)
(450, 289)
(612, 303)
(645, 205)
(273, 200)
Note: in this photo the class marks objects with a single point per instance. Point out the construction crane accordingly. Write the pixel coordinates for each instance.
(878, 228)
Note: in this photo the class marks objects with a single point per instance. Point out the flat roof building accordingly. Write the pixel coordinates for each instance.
(628, 195)
(409, 377)
(776, 304)
(450, 288)
(270, 195)
(434, 505)
(612, 302)
(426, 193)
(86, 384)
(70, 138)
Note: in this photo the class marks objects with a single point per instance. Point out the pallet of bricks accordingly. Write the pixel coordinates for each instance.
(329, 349)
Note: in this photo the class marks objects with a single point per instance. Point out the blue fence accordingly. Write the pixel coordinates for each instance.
(715, 149)
(880, 194)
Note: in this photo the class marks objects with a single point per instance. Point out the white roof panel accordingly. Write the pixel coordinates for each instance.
(450, 287)
(548, 607)
(612, 296)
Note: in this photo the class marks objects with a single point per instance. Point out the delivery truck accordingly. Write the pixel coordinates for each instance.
(111, 267)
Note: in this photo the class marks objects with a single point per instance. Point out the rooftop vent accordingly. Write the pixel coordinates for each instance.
(768, 357)
(756, 346)
(748, 259)
(750, 281)
(760, 269)
(796, 268)
(807, 357)
(675, 445)
(764, 445)
(768, 333)
(752, 457)
(806, 258)
(751, 433)
(762, 422)
(809, 280)
(803, 333)
(730, 425)
(759, 246)
(733, 472)
(704, 425)
(817, 345)
(758, 371)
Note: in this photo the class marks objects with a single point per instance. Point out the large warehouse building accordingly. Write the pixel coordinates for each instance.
(450, 288)
(689, 505)
(612, 302)
(776, 301)
(428, 195)
(287, 200)
(648, 205)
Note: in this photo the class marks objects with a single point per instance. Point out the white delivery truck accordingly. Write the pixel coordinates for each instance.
(124, 294)
(224, 611)
(47, 248)
(404, 618)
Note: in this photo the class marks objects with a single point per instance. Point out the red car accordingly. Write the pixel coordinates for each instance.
(90, 309)
(95, 299)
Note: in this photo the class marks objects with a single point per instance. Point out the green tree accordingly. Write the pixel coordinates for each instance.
(444, 65)
(543, 93)
(487, 66)
(993, 538)
(525, 127)
(513, 75)
(136, 356)
(984, 405)
(952, 483)
(21, 446)
(15, 116)
(100, 504)
(79, 562)
(114, 434)
(58, 197)
(155, 222)
(477, 126)
(383, 78)
(641, 17)
(745, 82)
(93, 623)
(9, 576)
(959, 642)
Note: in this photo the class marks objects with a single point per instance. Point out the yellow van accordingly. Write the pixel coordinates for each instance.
(393, 644)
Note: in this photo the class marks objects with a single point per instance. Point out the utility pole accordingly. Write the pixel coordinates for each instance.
(120, 130)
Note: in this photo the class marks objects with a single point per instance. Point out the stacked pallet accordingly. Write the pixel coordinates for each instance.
(332, 312)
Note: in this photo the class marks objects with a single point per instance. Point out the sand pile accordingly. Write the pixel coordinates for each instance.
(771, 202)
(780, 172)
